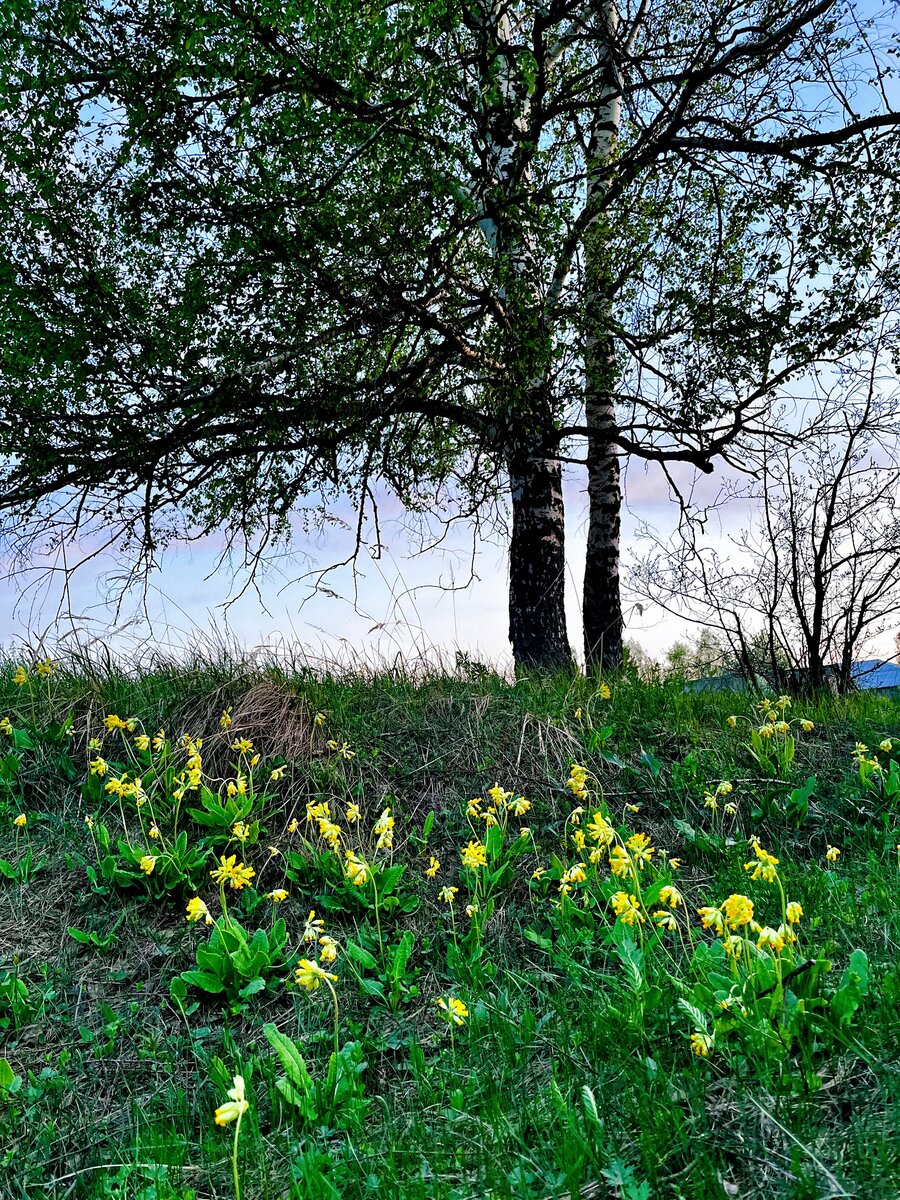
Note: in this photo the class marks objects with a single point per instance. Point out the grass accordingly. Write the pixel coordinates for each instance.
(573, 1071)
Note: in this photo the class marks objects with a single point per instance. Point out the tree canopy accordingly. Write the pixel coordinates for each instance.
(261, 254)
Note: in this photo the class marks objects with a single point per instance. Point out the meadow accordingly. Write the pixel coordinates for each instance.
(280, 933)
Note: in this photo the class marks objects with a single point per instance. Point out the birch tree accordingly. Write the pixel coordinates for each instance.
(261, 254)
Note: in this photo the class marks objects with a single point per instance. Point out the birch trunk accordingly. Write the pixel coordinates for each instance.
(537, 615)
(601, 602)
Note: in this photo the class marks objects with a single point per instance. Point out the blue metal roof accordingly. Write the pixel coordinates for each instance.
(874, 673)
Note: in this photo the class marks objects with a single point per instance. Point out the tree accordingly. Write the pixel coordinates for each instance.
(260, 253)
(815, 576)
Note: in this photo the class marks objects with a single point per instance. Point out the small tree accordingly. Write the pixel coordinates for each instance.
(815, 576)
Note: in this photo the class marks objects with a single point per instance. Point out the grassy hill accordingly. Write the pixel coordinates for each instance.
(543, 1014)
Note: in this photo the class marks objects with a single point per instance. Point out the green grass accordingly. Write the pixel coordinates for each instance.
(573, 1074)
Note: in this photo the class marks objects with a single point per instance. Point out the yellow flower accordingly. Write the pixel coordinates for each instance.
(674, 863)
(453, 1009)
(539, 872)
(632, 808)
(782, 727)
(627, 908)
(433, 867)
(159, 741)
(577, 714)
(770, 939)
(734, 945)
(471, 910)
(710, 802)
(352, 813)
(241, 831)
(765, 732)
(310, 974)
(20, 677)
(599, 830)
(725, 788)
(6, 726)
(806, 726)
(732, 721)
(197, 909)
(473, 808)
(274, 852)
(277, 895)
(232, 872)
(575, 874)
(98, 766)
(293, 826)
(355, 869)
(313, 927)
(142, 741)
(20, 821)
(619, 860)
(236, 1107)
(384, 828)
(575, 815)
(448, 894)
(519, 807)
(329, 950)
(665, 920)
(225, 719)
(887, 745)
(793, 912)
(153, 831)
(831, 854)
(44, 669)
(147, 863)
(701, 1044)
(764, 868)
(242, 746)
(330, 832)
(578, 839)
(112, 722)
(474, 856)
(277, 774)
(498, 795)
(319, 719)
(671, 896)
(89, 821)
(712, 919)
(738, 911)
(604, 691)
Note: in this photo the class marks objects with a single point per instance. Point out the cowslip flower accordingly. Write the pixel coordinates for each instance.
(641, 850)
(771, 939)
(448, 894)
(712, 919)
(671, 896)
(665, 920)
(329, 949)
(313, 927)
(232, 872)
(619, 860)
(384, 829)
(197, 910)
(277, 895)
(474, 856)
(599, 830)
(604, 691)
(701, 1044)
(453, 1009)
(20, 677)
(6, 726)
(627, 908)
(831, 854)
(793, 912)
(738, 911)
(147, 863)
(355, 869)
(277, 774)
(433, 867)
(225, 719)
(153, 831)
(471, 910)
(236, 1106)
(310, 974)
(732, 721)
(159, 741)
(887, 745)
(806, 726)
(352, 813)
(20, 821)
(242, 746)
(764, 867)
(44, 669)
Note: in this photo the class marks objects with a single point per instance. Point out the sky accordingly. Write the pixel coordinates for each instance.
(404, 602)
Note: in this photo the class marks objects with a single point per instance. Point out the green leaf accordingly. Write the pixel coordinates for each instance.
(255, 985)
(204, 980)
(7, 1074)
(362, 957)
